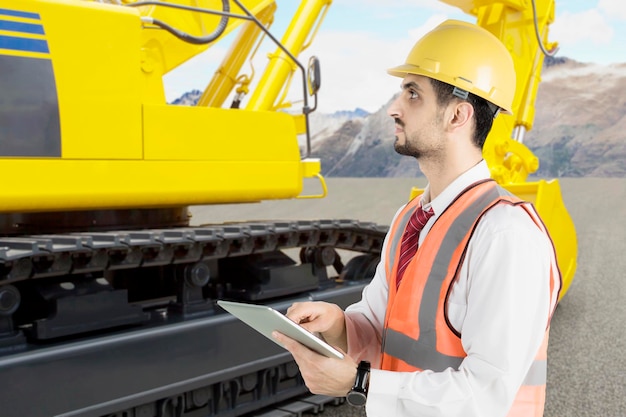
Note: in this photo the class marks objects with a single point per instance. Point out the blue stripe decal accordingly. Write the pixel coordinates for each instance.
(21, 27)
(16, 13)
(23, 44)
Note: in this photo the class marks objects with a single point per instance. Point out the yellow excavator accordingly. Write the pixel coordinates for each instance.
(107, 293)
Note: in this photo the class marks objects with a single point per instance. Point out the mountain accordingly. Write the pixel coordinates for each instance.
(580, 123)
(579, 129)
(323, 125)
(360, 147)
(190, 98)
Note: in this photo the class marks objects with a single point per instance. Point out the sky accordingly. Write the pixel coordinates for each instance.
(359, 39)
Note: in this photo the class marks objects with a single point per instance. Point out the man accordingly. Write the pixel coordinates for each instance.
(458, 326)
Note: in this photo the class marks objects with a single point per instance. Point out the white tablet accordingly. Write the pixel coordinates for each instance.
(265, 320)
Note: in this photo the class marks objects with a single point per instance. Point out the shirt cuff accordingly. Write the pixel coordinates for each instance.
(382, 393)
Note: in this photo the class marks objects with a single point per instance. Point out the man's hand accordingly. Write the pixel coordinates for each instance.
(320, 317)
(322, 375)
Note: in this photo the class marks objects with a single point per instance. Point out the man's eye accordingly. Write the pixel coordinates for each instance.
(412, 95)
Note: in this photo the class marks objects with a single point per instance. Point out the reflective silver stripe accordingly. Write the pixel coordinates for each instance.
(422, 353)
(418, 354)
(398, 344)
(537, 374)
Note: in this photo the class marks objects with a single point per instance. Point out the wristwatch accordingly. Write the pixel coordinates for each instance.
(358, 394)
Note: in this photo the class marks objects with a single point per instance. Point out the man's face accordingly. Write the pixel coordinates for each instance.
(419, 120)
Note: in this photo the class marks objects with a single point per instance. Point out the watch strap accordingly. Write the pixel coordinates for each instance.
(358, 394)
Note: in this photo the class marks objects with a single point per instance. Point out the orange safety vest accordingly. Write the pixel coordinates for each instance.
(417, 332)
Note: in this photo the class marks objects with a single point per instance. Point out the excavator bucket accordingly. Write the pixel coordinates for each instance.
(547, 199)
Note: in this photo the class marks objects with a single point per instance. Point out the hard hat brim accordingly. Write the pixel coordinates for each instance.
(404, 69)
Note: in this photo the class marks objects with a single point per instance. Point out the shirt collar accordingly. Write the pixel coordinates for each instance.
(477, 173)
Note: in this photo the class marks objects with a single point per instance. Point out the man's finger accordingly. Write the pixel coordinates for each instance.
(297, 349)
(289, 344)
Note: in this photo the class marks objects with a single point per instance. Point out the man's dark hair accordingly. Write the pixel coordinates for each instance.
(483, 113)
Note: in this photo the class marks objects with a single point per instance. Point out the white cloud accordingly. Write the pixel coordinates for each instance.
(354, 66)
(427, 5)
(590, 25)
(432, 22)
(615, 9)
(194, 74)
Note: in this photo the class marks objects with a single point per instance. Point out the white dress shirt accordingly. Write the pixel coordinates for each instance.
(500, 304)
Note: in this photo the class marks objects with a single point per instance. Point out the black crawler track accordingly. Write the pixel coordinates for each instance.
(125, 323)
(41, 256)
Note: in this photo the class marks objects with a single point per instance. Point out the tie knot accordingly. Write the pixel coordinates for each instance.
(420, 217)
(410, 238)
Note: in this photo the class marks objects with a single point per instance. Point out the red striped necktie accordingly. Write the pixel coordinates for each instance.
(410, 238)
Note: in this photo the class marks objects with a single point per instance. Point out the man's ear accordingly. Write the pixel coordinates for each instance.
(460, 115)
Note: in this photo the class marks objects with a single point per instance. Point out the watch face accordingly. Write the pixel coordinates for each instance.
(356, 398)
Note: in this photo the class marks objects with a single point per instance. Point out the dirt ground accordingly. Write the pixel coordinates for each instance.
(587, 353)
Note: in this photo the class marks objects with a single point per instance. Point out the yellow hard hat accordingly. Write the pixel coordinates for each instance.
(466, 56)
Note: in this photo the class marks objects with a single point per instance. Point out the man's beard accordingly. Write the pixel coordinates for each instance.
(406, 148)
(414, 142)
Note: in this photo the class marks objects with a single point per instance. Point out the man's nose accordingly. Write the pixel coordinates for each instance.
(393, 110)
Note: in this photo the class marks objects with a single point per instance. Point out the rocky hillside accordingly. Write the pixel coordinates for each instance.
(580, 123)
(580, 129)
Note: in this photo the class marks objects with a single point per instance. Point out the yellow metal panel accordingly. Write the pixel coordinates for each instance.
(192, 155)
(311, 167)
(300, 120)
(95, 54)
(213, 134)
(54, 184)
